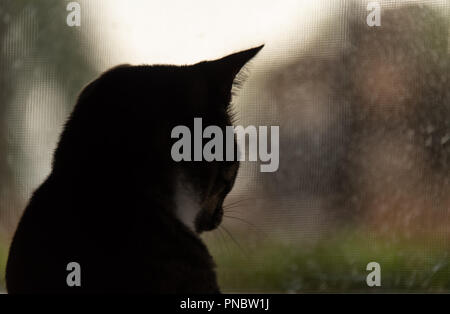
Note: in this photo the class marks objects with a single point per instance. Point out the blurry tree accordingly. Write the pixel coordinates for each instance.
(34, 35)
(397, 160)
(366, 128)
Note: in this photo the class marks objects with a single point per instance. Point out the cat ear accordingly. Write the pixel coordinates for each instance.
(222, 72)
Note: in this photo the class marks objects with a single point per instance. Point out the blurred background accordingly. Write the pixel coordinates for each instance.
(364, 116)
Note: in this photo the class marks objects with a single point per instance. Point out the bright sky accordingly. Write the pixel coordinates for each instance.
(182, 32)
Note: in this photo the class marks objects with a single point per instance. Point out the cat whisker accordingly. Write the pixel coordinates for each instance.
(239, 201)
(232, 203)
(234, 240)
(248, 223)
(224, 241)
(220, 242)
(227, 209)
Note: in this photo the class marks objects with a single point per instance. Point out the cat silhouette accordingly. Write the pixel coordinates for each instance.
(115, 202)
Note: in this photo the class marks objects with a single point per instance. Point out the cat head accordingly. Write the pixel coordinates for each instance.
(120, 131)
(202, 186)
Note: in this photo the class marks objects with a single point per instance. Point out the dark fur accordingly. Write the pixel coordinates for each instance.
(108, 202)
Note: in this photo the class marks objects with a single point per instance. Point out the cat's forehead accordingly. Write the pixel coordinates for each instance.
(189, 87)
(181, 91)
(164, 82)
(186, 80)
(164, 74)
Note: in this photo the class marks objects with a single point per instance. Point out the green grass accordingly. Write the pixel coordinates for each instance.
(336, 265)
(330, 265)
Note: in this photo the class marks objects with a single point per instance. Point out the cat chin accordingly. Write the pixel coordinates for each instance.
(187, 204)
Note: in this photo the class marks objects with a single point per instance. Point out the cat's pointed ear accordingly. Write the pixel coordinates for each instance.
(230, 65)
(222, 72)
